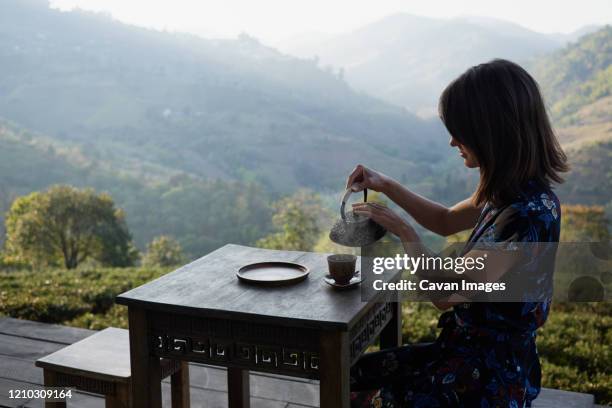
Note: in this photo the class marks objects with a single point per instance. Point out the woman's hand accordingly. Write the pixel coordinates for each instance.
(386, 217)
(363, 177)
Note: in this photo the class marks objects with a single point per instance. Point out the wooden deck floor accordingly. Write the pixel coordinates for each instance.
(22, 342)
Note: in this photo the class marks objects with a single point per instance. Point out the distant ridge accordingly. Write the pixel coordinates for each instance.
(407, 59)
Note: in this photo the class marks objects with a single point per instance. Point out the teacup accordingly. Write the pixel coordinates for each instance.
(342, 267)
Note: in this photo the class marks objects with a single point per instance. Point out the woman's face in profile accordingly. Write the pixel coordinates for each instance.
(469, 159)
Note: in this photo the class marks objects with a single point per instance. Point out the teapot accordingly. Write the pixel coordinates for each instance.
(355, 230)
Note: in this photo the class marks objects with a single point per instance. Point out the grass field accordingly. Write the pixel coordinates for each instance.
(575, 344)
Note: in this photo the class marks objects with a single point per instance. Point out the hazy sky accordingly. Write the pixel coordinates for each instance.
(275, 21)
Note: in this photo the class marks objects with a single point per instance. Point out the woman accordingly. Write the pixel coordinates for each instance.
(486, 354)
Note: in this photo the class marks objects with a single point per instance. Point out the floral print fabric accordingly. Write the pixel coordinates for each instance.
(485, 355)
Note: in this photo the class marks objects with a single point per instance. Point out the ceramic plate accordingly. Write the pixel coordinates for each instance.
(273, 273)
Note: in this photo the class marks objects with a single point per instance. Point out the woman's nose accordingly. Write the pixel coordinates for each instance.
(452, 142)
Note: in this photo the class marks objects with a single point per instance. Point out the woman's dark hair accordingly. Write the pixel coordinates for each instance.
(496, 110)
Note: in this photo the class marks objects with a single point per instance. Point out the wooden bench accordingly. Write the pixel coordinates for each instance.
(100, 364)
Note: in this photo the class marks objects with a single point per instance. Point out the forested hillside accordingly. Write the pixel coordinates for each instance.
(577, 84)
(228, 109)
(577, 76)
(590, 179)
(203, 214)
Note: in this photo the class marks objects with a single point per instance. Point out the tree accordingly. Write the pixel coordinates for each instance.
(163, 251)
(68, 225)
(298, 220)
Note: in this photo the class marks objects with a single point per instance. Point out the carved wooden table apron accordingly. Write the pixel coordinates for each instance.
(202, 313)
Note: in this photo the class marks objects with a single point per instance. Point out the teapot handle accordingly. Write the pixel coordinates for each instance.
(345, 197)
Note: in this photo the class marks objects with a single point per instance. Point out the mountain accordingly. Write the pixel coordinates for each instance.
(574, 36)
(576, 78)
(202, 214)
(155, 104)
(577, 85)
(407, 60)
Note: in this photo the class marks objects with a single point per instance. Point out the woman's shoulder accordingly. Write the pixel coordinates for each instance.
(534, 216)
(536, 199)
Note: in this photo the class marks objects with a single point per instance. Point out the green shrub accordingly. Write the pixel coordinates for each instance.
(116, 316)
(163, 251)
(419, 323)
(573, 379)
(574, 344)
(59, 296)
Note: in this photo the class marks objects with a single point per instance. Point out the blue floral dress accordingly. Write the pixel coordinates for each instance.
(485, 355)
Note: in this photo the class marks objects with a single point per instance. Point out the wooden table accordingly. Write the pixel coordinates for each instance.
(202, 313)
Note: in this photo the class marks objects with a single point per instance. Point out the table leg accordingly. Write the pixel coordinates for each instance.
(334, 368)
(179, 385)
(238, 388)
(121, 399)
(391, 335)
(50, 381)
(146, 368)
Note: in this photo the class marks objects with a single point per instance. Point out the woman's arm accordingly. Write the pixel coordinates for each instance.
(435, 217)
(410, 239)
(496, 265)
(431, 215)
(414, 247)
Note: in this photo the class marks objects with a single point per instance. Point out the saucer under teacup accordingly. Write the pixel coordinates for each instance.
(355, 280)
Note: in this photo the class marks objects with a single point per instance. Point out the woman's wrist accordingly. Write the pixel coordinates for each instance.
(387, 185)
